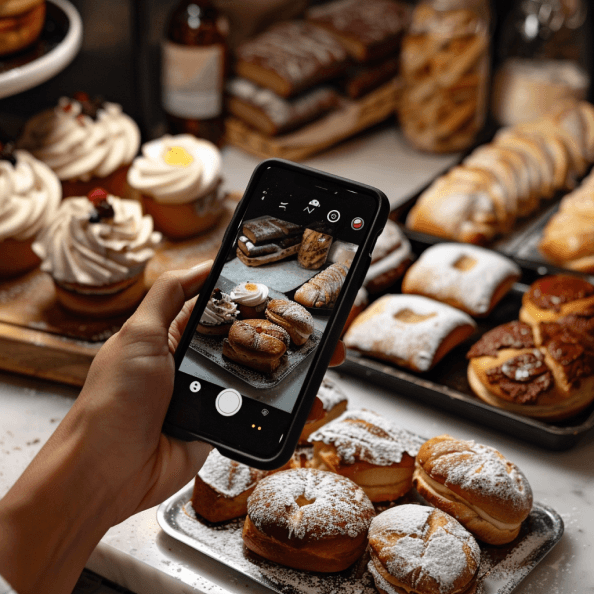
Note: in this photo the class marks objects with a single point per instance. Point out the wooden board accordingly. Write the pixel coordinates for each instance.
(352, 117)
(40, 338)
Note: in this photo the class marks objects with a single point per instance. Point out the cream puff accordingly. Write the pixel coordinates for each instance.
(291, 316)
(219, 315)
(251, 299)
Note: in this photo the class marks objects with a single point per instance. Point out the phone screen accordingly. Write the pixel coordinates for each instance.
(289, 260)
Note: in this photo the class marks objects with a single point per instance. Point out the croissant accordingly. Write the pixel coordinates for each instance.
(323, 289)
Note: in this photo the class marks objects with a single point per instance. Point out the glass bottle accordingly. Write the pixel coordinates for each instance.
(445, 69)
(193, 70)
(545, 56)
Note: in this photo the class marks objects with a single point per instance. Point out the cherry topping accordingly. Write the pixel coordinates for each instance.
(89, 106)
(7, 152)
(103, 209)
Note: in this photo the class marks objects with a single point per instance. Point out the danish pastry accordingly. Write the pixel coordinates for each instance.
(291, 316)
(324, 288)
(370, 450)
(308, 519)
(487, 494)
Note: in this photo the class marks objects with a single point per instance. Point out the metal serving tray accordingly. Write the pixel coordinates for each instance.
(502, 568)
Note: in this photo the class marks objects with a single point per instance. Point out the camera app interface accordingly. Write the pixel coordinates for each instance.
(251, 350)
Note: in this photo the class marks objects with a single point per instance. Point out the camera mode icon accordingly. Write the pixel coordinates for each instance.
(333, 216)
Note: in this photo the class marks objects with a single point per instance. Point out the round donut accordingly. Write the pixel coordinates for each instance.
(416, 549)
(291, 316)
(486, 493)
(308, 519)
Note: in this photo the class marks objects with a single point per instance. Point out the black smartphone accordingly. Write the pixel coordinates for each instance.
(269, 316)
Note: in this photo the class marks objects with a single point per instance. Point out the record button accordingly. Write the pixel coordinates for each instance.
(228, 402)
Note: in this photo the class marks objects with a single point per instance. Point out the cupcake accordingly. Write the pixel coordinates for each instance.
(21, 22)
(88, 143)
(96, 249)
(30, 194)
(179, 179)
(251, 299)
(218, 316)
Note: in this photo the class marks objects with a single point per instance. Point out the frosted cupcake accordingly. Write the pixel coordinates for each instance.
(179, 179)
(29, 197)
(96, 249)
(88, 143)
(251, 299)
(219, 314)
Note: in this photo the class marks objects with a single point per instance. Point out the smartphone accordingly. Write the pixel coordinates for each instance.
(292, 224)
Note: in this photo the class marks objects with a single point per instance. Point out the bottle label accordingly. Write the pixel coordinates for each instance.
(192, 80)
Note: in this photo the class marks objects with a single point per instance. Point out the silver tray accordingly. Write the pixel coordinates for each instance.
(502, 568)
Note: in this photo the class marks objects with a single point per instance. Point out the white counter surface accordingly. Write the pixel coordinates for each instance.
(138, 555)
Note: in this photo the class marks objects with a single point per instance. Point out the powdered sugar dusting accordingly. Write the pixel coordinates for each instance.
(365, 435)
(330, 394)
(337, 506)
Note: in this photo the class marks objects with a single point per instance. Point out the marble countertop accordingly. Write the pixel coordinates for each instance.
(138, 555)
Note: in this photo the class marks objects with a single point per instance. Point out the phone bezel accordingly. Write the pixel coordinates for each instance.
(324, 351)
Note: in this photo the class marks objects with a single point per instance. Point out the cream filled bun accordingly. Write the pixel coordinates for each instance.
(81, 139)
(176, 170)
(487, 494)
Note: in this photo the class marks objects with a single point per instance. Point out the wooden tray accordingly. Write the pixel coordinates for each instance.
(354, 116)
(40, 338)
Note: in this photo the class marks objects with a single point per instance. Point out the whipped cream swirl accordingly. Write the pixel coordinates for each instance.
(30, 194)
(250, 294)
(75, 250)
(219, 311)
(79, 147)
(168, 182)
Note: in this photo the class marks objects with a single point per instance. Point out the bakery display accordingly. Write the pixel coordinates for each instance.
(485, 492)
(467, 277)
(370, 450)
(21, 23)
(96, 249)
(409, 330)
(333, 403)
(508, 178)
(219, 315)
(87, 142)
(323, 289)
(422, 550)
(30, 194)
(308, 519)
(314, 249)
(390, 258)
(291, 316)
(568, 238)
(251, 299)
(178, 179)
(257, 344)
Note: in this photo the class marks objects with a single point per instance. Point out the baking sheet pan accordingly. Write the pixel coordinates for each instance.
(502, 568)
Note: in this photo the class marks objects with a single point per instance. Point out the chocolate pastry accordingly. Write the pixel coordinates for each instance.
(269, 229)
(513, 335)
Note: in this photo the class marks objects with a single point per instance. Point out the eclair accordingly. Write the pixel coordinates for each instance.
(291, 316)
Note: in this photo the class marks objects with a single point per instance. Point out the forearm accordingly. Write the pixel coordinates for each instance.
(54, 515)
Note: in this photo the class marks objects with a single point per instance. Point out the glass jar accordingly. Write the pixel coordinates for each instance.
(545, 59)
(445, 69)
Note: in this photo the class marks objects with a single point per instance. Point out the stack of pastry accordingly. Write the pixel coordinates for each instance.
(508, 178)
(541, 366)
(568, 238)
(283, 75)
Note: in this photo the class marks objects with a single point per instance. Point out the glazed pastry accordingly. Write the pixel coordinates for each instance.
(421, 550)
(308, 519)
(333, 404)
(554, 297)
(257, 344)
(222, 488)
(96, 250)
(87, 142)
(178, 179)
(487, 494)
(324, 288)
(219, 315)
(408, 330)
(370, 450)
(264, 110)
(21, 23)
(291, 316)
(314, 249)
(467, 277)
(391, 256)
(290, 57)
(367, 31)
(30, 194)
(251, 299)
